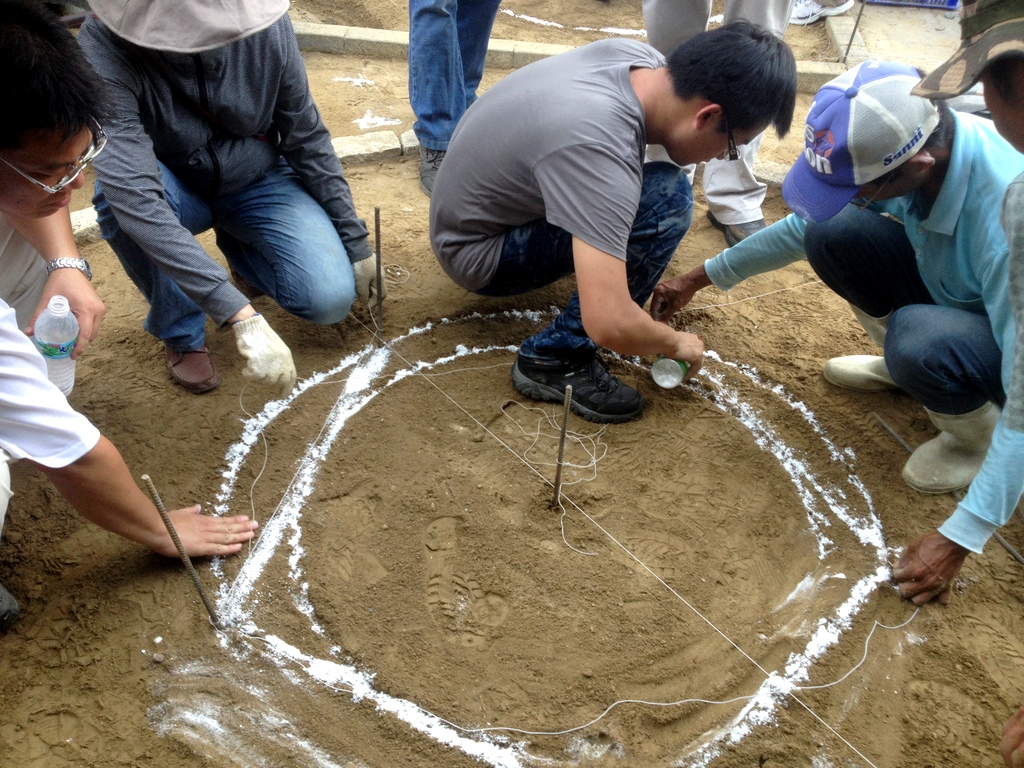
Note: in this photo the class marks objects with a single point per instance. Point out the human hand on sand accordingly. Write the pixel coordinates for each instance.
(672, 295)
(203, 535)
(927, 568)
(1011, 746)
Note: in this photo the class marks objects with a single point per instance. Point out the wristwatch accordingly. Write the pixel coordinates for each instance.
(68, 262)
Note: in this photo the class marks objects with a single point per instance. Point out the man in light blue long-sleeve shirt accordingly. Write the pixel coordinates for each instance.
(928, 280)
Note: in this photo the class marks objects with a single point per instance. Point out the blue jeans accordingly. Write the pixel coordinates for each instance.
(447, 49)
(947, 359)
(277, 237)
(539, 253)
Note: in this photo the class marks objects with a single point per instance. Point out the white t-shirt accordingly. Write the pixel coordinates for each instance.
(36, 421)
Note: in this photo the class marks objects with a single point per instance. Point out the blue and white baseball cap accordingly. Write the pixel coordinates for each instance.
(861, 125)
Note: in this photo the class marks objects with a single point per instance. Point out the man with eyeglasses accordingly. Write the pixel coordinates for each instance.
(213, 126)
(897, 203)
(733, 194)
(545, 177)
(48, 135)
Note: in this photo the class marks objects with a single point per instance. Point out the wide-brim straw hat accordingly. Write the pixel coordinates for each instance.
(989, 30)
(187, 26)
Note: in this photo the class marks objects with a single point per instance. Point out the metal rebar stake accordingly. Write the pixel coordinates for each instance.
(956, 494)
(561, 448)
(856, 25)
(181, 551)
(380, 271)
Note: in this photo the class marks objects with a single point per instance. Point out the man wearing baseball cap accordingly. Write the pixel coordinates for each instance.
(992, 51)
(896, 202)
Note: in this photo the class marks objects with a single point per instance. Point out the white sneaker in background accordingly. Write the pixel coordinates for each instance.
(809, 11)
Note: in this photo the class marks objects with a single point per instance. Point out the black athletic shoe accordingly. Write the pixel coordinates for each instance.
(9, 610)
(596, 394)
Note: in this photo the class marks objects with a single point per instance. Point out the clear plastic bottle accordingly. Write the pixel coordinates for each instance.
(668, 373)
(56, 334)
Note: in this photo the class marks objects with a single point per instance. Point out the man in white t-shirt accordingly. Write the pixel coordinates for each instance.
(44, 145)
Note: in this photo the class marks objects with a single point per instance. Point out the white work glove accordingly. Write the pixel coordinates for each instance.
(268, 359)
(366, 278)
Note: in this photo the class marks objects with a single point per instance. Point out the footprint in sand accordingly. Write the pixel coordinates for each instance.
(466, 611)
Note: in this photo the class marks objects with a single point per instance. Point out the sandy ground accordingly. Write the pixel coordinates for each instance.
(414, 585)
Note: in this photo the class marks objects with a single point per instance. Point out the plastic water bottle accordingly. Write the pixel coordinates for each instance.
(56, 334)
(668, 373)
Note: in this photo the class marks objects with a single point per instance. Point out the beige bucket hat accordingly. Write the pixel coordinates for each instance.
(989, 29)
(187, 26)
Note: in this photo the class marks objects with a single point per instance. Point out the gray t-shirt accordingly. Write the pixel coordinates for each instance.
(561, 139)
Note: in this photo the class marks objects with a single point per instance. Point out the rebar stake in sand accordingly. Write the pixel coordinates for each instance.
(380, 271)
(956, 495)
(561, 448)
(181, 551)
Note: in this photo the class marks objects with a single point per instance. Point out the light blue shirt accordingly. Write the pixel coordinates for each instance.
(962, 255)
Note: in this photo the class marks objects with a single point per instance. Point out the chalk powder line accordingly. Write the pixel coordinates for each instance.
(823, 503)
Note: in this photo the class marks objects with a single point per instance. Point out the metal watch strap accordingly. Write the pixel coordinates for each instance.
(69, 262)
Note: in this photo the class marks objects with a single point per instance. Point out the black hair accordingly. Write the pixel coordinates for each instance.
(743, 68)
(47, 83)
(1002, 72)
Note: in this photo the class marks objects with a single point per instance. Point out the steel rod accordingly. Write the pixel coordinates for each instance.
(561, 448)
(856, 25)
(181, 551)
(380, 271)
(956, 494)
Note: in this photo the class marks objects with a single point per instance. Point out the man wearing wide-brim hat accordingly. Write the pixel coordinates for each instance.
(992, 51)
(213, 125)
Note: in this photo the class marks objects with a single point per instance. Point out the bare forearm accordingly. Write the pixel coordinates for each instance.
(101, 488)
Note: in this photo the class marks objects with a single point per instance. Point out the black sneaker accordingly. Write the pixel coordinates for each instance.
(596, 394)
(430, 163)
(9, 610)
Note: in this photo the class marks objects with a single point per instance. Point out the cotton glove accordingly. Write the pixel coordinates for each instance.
(366, 278)
(268, 359)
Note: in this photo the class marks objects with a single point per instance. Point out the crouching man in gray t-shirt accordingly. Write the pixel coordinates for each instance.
(545, 177)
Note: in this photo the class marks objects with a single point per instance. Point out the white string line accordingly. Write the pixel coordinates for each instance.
(625, 549)
(266, 456)
(751, 298)
(609, 535)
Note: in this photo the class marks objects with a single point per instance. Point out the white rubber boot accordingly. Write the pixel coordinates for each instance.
(951, 460)
(864, 373)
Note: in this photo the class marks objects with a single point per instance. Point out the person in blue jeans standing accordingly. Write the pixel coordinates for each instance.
(545, 177)
(447, 48)
(212, 124)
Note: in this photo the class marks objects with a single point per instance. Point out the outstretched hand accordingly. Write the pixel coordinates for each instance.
(672, 295)
(203, 535)
(1011, 746)
(928, 567)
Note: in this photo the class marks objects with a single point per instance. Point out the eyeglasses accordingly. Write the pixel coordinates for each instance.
(99, 141)
(731, 153)
(865, 202)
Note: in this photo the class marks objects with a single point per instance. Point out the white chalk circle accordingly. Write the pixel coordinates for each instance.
(318, 566)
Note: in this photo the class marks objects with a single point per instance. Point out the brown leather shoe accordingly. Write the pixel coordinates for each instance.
(193, 370)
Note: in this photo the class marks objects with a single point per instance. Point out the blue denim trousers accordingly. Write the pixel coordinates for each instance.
(539, 253)
(447, 47)
(947, 359)
(277, 237)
